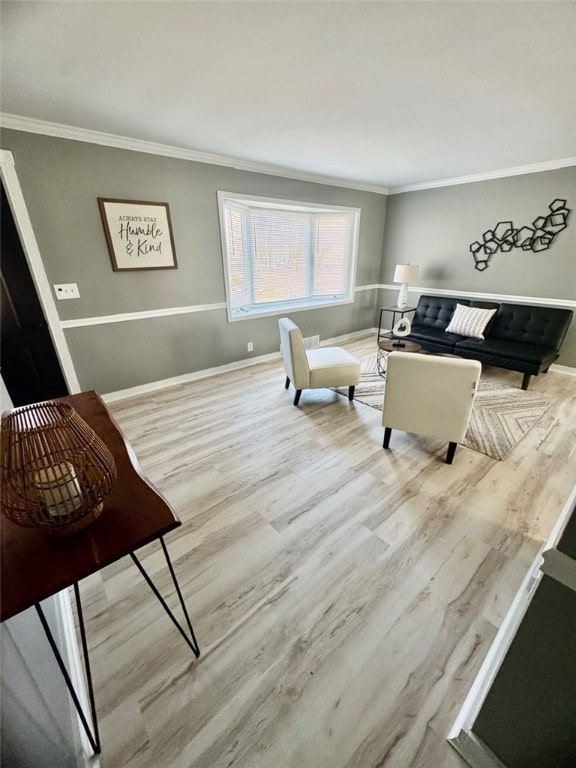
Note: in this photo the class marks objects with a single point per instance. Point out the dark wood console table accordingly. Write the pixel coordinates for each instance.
(34, 566)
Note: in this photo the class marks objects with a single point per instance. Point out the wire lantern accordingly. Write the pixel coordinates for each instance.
(55, 470)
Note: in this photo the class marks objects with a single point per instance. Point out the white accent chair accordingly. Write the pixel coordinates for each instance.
(315, 368)
(429, 395)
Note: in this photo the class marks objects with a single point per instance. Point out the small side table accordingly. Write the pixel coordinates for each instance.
(387, 345)
(395, 311)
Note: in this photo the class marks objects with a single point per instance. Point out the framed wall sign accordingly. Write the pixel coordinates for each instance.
(138, 233)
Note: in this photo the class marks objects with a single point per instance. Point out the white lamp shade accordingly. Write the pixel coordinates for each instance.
(406, 273)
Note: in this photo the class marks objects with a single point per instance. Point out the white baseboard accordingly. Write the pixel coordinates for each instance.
(154, 386)
(497, 652)
(563, 369)
(461, 735)
(474, 751)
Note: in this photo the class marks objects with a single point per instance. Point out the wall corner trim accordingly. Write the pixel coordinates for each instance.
(19, 210)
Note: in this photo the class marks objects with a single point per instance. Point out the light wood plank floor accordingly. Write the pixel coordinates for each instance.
(343, 596)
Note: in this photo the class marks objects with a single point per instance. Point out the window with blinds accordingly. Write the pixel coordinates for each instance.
(283, 255)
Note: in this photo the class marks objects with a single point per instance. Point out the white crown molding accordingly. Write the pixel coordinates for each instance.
(62, 131)
(502, 297)
(519, 170)
(32, 125)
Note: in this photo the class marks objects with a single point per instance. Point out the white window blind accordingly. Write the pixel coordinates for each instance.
(282, 255)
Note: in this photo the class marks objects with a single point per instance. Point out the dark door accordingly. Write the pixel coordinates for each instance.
(30, 367)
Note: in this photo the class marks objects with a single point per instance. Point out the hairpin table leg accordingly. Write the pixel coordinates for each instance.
(191, 641)
(93, 738)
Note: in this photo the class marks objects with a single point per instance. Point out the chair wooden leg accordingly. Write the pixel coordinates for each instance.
(351, 392)
(526, 380)
(451, 451)
(387, 433)
(297, 396)
(287, 382)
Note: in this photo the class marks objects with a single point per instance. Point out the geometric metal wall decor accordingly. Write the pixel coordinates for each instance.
(505, 236)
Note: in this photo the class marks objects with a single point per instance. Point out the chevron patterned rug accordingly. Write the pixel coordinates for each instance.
(500, 418)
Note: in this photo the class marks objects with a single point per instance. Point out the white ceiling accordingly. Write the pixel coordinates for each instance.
(380, 93)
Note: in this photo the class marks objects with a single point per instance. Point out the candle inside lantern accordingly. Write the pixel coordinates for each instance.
(59, 489)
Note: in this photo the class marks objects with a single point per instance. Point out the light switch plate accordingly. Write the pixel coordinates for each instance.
(67, 291)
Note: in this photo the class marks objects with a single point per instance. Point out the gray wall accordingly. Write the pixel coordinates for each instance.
(435, 227)
(61, 180)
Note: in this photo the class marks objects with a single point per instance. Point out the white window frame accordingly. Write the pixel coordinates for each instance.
(300, 305)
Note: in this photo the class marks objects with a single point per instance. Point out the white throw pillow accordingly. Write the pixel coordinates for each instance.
(469, 321)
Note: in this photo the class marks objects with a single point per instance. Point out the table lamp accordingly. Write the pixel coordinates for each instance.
(55, 470)
(405, 273)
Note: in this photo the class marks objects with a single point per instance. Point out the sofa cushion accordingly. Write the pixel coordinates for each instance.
(508, 350)
(518, 337)
(470, 321)
(424, 333)
(435, 311)
(542, 326)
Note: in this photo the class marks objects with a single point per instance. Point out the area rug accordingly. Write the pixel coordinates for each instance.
(500, 418)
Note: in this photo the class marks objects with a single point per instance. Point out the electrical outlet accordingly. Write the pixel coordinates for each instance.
(67, 291)
(250, 346)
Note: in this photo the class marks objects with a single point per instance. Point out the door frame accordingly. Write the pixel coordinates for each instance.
(34, 259)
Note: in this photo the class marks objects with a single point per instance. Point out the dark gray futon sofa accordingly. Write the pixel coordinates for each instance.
(518, 337)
